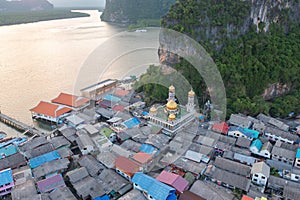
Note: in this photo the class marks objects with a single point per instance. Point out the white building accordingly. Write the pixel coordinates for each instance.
(260, 173)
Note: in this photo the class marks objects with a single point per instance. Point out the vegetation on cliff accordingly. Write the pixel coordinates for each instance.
(249, 59)
(130, 11)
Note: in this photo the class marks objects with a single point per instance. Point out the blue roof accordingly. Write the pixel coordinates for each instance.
(6, 177)
(153, 187)
(145, 113)
(257, 143)
(132, 122)
(298, 153)
(147, 148)
(7, 151)
(111, 97)
(3, 144)
(105, 197)
(247, 132)
(37, 161)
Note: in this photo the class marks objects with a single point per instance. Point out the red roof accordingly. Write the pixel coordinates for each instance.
(174, 180)
(246, 198)
(50, 109)
(121, 93)
(220, 127)
(142, 157)
(118, 108)
(126, 165)
(188, 195)
(70, 100)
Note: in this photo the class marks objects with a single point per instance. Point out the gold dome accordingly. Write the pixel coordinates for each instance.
(172, 117)
(191, 93)
(172, 105)
(172, 88)
(153, 109)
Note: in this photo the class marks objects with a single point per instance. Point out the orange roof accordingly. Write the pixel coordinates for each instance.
(119, 108)
(142, 157)
(126, 165)
(246, 198)
(121, 93)
(50, 109)
(70, 100)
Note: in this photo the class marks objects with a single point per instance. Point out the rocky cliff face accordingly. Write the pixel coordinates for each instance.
(25, 5)
(129, 11)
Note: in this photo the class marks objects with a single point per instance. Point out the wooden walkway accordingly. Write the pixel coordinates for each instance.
(27, 130)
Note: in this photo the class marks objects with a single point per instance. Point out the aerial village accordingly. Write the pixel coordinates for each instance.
(109, 145)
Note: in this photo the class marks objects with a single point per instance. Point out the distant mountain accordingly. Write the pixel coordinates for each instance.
(130, 11)
(25, 5)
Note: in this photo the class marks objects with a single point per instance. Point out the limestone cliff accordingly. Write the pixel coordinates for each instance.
(129, 11)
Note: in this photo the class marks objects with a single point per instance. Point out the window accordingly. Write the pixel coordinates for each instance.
(255, 180)
(297, 177)
(266, 154)
(256, 175)
(136, 185)
(263, 177)
(150, 197)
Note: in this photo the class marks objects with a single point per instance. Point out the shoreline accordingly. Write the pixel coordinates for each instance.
(27, 17)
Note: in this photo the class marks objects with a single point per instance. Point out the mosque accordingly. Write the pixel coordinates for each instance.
(172, 116)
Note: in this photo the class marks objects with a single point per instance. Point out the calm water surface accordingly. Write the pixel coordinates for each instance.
(40, 60)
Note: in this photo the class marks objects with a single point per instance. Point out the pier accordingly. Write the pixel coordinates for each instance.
(27, 130)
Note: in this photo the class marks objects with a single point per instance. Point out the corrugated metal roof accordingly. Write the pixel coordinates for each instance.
(153, 187)
(147, 148)
(6, 177)
(37, 161)
(257, 143)
(298, 153)
(7, 151)
(51, 183)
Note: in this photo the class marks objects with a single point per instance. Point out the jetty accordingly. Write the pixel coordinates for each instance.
(27, 130)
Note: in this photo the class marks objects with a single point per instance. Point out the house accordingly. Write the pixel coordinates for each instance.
(144, 159)
(74, 121)
(133, 195)
(59, 142)
(91, 164)
(13, 161)
(40, 160)
(8, 151)
(275, 134)
(297, 159)
(126, 167)
(55, 166)
(222, 127)
(258, 148)
(174, 180)
(209, 192)
(272, 121)
(152, 188)
(131, 145)
(6, 182)
(260, 173)
(49, 111)
(38, 151)
(90, 129)
(85, 185)
(72, 101)
(51, 183)
(246, 198)
(190, 166)
(283, 155)
(85, 144)
(244, 159)
(188, 195)
(107, 132)
(232, 166)
(229, 179)
(33, 143)
(22, 175)
(107, 159)
(62, 193)
(26, 190)
(243, 132)
(240, 120)
(97, 89)
(243, 142)
(110, 181)
(69, 134)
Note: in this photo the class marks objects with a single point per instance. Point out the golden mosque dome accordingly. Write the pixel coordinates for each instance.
(191, 93)
(172, 88)
(172, 117)
(153, 109)
(172, 105)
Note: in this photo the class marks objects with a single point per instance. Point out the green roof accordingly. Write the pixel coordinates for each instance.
(106, 132)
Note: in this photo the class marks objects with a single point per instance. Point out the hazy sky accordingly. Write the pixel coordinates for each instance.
(81, 3)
